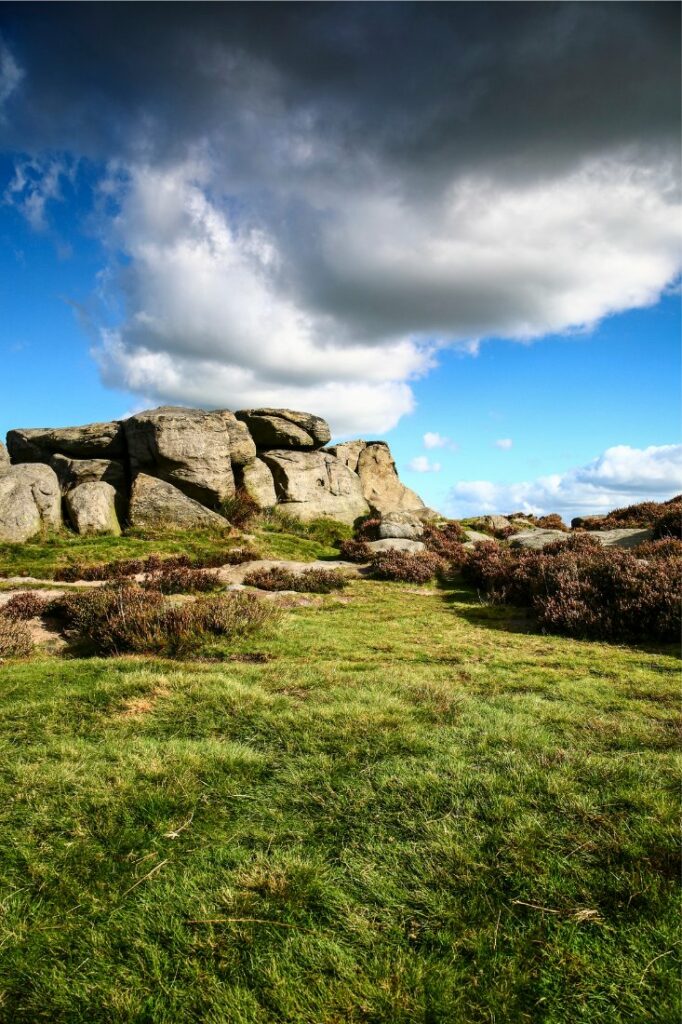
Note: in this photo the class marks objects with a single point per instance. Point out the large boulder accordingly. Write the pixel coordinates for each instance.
(536, 540)
(381, 485)
(257, 481)
(157, 504)
(4, 460)
(312, 484)
(625, 538)
(401, 524)
(242, 445)
(91, 441)
(348, 452)
(274, 429)
(30, 501)
(413, 547)
(92, 508)
(189, 448)
(74, 472)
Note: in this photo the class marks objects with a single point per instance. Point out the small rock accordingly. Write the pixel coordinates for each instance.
(400, 524)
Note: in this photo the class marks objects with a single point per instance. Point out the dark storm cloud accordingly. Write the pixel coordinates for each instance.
(313, 198)
(425, 87)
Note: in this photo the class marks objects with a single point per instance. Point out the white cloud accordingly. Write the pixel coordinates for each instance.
(432, 439)
(33, 185)
(10, 76)
(504, 443)
(422, 464)
(620, 476)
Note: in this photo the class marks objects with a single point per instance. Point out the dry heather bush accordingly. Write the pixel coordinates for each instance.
(368, 528)
(666, 547)
(404, 567)
(582, 589)
(446, 542)
(355, 551)
(551, 522)
(24, 606)
(240, 509)
(124, 568)
(182, 580)
(311, 581)
(126, 618)
(664, 516)
(15, 638)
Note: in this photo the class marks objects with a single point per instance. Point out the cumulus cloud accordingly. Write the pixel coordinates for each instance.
(619, 476)
(291, 221)
(432, 439)
(422, 464)
(504, 444)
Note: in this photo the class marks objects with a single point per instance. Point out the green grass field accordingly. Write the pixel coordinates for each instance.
(400, 806)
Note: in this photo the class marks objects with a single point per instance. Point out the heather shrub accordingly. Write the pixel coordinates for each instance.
(404, 567)
(240, 509)
(182, 580)
(367, 528)
(124, 568)
(663, 516)
(24, 606)
(553, 521)
(354, 551)
(127, 618)
(317, 581)
(580, 543)
(15, 638)
(446, 541)
(665, 547)
(324, 530)
(669, 524)
(503, 574)
(238, 556)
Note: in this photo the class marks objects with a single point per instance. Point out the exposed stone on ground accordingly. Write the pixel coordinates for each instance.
(396, 544)
(475, 537)
(401, 524)
(91, 508)
(30, 500)
(4, 460)
(381, 485)
(188, 448)
(313, 484)
(90, 441)
(258, 483)
(625, 538)
(157, 504)
(284, 428)
(491, 523)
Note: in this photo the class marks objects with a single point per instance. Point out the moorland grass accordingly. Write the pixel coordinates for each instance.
(398, 808)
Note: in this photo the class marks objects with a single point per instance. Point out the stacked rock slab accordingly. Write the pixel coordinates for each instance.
(176, 467)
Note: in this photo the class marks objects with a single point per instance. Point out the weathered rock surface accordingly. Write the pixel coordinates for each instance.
(242, 445)
(475, 537)
(625, 538)
(274, 429)
(258, 483)
(186, 447)
(4, 460)
(90, 441)
(381, 485)
(155, 504)
(30, 500)
(396, 544)
(73, 472)
(312, 484)
(92, 508)
(348, 453)
(492, 523)
(401, 524)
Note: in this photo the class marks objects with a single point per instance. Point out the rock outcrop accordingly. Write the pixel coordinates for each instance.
(157, 504)
(92, 441)
(404, 525)
(30, 501)
(176, 467)
(536, 540)
(313, 484)
(273, 429)
(91, 508)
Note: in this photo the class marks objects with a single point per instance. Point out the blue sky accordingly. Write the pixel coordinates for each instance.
(288, 223)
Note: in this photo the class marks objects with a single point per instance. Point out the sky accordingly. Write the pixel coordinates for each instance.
(453, 226)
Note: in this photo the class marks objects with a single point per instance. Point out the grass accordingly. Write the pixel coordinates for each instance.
(41, 557)
(402, 808)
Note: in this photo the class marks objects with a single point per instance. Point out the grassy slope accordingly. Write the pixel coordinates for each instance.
(403, 770)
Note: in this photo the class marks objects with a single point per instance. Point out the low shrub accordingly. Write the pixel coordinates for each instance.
(126, 618)
(664, 516)
(316, 581)
(553, 521)
(182, 580)
(15, 638)
(238, 556)
(446, 541)
(327, 532)
(669, 524)
(405, 567)
(582, 589)
(354, 551)
(125, 568)
(24, 606)
(665, 547)
(240, 509)
(367, 528)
